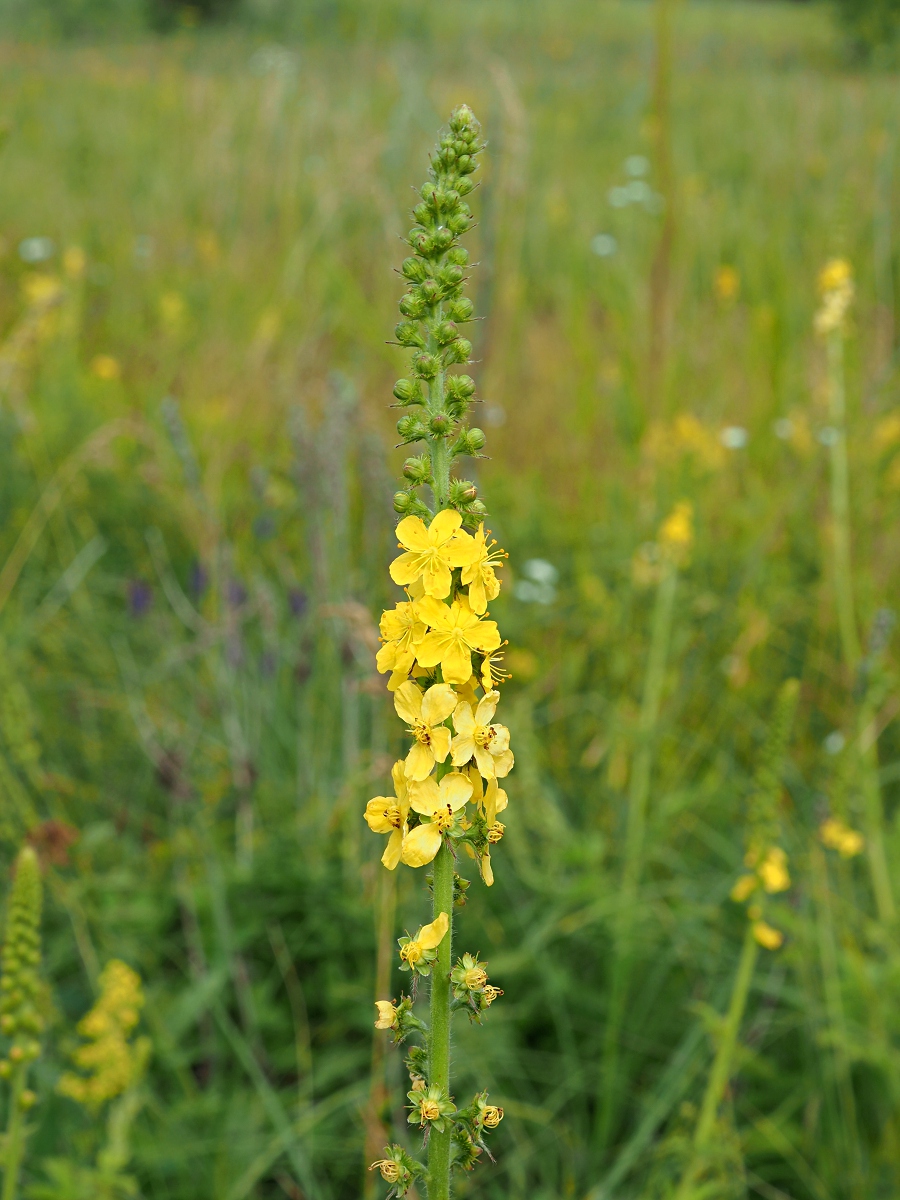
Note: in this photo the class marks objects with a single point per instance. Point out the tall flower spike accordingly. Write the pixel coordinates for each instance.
(20, 1021)
(441, 649)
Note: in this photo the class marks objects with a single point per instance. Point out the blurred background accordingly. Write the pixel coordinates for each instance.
(200, 210)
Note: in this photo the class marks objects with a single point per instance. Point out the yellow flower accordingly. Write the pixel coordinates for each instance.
(391, 1171)
(487, 871)
(768, 938)
(495, 801)
(836, 274)
(387, 814)
(491, 671)
(424, 713)
(838, 836)
(104, 366)
(387, 1014)
(401, 631)
(477, 738)
(728, 282)
(773, 870)
(439, 802)
(479, 576)
(455, 632)
(744, 888)
(491, 1116)
(112, 1064)
(429, 937)
(677, 531)
(836, 290)
(432, 551)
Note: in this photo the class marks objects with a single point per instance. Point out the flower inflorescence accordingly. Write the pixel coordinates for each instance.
(21, 1022)
(442, 653)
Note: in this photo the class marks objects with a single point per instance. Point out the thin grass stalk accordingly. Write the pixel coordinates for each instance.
(661, 269)
(722, 1067)
(638, 797)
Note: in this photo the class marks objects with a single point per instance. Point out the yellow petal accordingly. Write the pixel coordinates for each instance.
(425, 796)
(463, 748)
(495, 800)
(487, 706)
(438, 703)
(412, 533)
(440, 743)
(485, 762)
(436, 579)
(484, 635)
(405, 569)
(398, 775)
(456, 790)
(768, 938)
(504, 763)
(419, 762)
(384, 659)
(431, 649)
(744, 888)
(430, 936)
(487, 872)
(392, 850)
(421, 845)
(374, 815)
(462, 551)
(443, 527)
(463, 720)
(456, 662)
(408, 702)
(434, 613)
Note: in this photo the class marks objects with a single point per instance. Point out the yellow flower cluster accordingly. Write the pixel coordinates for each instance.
(112, 1063)
(440, 649)
(770, 874)
(836, 291)
(838, 836)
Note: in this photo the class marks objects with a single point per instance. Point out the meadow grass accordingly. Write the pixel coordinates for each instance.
(191, 563)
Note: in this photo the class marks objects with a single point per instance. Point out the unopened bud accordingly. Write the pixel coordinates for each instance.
(410, 428)
(421, 213)
(409, 391)
(465, 164)
(459, 255)
(412, 304)
(408, 333)
(451, 275)
(420, 241)
(458, 351)
(458, 223)
(28, 1099)
(426, 365)
(446, 332)
(462, 309)
(442, 239)
(414, 270)
(440, 424)
(431, 291)
(462, 492)
(417, 470)
(461, 386)
(403, 502)
(464, 185)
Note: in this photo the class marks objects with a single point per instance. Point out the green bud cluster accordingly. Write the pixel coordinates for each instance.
(20, 1021)
(433, 309)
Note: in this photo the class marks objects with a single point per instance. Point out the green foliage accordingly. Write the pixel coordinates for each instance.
(190, 724)
(871, 25)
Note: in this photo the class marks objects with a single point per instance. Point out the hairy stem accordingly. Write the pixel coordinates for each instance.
(439, 1046)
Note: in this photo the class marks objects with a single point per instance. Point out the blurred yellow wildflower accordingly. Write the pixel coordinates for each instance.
(74, 261)
(432, 551)
(768, 938)
(455, 632)
(836, 290)
(41, 290)
(104, 366)
(425, 713)
(387, 814)
(838, 836)
(727, 282)
(172, 310)
(387, 1014)
(112, 1063)
(684, 435)
(676, 534)
(773, 871)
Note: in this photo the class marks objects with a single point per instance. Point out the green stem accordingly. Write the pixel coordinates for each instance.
(722, 1064)
(439, 1045)
(638, 797)
(15, 1141)
(850, 645)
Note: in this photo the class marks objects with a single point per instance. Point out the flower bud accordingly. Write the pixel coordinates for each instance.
(446, 332)
(431, 291)
(451, 275)
(28, 1099)
(422, 213)
(411, 428)
(426, 365)
(420, 241)
(458, 223)
(408, 333)
(409, 391)
(461, 387)
(461, 309)
(471, 442)
(403, 502)
(412, 304)
(464, 185)
(414, 270)
(440, 424)
(478, 509)
(462, 493)
(459, 255)
(417, 470)
(442, 239)
(427, 190)
(458, 351)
